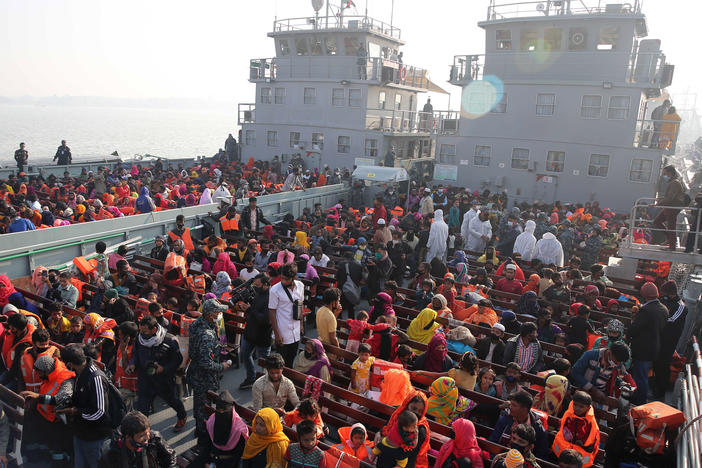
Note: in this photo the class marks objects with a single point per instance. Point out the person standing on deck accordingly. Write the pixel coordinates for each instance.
(231, 148)
(657, 118)
(63, 154)
(674, 197)
(22, 157)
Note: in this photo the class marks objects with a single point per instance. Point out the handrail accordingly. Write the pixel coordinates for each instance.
(498, 11)
(638, 222)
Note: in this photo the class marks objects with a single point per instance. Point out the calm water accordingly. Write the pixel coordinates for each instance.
(95, 132)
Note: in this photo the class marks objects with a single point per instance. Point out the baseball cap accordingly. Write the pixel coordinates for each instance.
(427, 189)
(511, 266)
(212, 306)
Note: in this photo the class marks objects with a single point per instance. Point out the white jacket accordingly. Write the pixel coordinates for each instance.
(438, 234)
(222, 193)
(549, 250)
(465, 225)
(476, 229)
(526, 242)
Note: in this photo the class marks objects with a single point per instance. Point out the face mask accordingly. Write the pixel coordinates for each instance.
(378, 255)
(42, 350)
(510, 224)
(666, 178)
(518, 447)
(510, 378)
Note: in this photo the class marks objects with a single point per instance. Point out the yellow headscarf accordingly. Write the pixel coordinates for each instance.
(275, 442)
(417, 330)
(301, 240)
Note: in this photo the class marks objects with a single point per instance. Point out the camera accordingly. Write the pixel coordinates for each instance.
(150, 368)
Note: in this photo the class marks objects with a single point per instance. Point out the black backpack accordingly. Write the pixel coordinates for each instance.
(116, 408)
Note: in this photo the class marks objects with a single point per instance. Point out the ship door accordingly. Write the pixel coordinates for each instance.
(545, 188)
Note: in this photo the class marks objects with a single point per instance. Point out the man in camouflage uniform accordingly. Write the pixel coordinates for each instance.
(566, 237)
(205, 369)
(593, 245)
(541, 225)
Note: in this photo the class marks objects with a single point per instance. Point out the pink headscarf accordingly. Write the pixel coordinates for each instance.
(465, 445)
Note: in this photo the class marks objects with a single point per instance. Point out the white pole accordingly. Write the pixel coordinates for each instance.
(392, 13)
(327, 16)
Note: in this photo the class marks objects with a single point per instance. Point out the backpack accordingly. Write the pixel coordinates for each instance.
(116, 408)
(351, 291)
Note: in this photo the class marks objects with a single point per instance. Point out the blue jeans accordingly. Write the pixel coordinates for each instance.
(639, 371)
(247, 350)
(86, 453)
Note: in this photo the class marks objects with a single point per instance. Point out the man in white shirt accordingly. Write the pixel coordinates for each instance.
(479, 233)
(222, 193)
(293, 180)
(281, 306)
(248, 272)
(319, 259)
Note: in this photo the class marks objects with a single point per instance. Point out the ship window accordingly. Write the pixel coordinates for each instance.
(599, 165)
(381, 100)
(641, 170)
(316, 46)
(280, 95)
(529, 38)
(250, 137)
(284, 47)
(552, 38)
(555, 161)
(591, 106)
(520, 158)
(338, 97)
(398, 101)
(343, 144)
(354, 98)
(318, 141)
(618, 108)
(504, 39)
(351, 45)
(371, 148)
(447, 154)
(373, 49)
(501, 106)
(331, 46)
(545, 104)
(294, 139)
(266, 95)
(609, 35)
(482, 155)
(577, 39)
(310, 95)
(301, 46)
(272, 138)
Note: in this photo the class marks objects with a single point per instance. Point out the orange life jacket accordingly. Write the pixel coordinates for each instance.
(185, 237)
(362, 453)
(84, 266)
(185, 323)
(79, 286)
(397, 212)
(51, 387)
(230, 224)
(196, 283)
(32, 382)
(122, 380)
(175, 261)
(593, 438)
(9, 345)
(141, 308)
(650, 423)
(380, 367)
(27, 313)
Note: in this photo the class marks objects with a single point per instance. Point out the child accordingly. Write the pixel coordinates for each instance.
(361, 370)
(559, 339)
(425, 295)
(354, 442)
(357, 329)
(152, 297)
(58, 325)
(305, 453)
(579, 326)
(485, 383)
(77, 332)
(308, 409)
(579, 430)
(510, 384)
(390, 452)
(172, 304)
(191, 309)
(102, 271)
(248, 272)
(405, 356)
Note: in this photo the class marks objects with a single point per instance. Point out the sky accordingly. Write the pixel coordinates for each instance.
(179, 49)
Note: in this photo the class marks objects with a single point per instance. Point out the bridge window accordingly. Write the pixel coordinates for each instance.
(266, 95)
(609, 35)
(343, 144)
(553, 38)
(599, 165)
(591, 106)
(250, 137)
(280, 95)
(545, 104)
(482, 156)
(555, 160)
(351, 44)
(447, 154)
(618, 108)
(381, 100)
(318, 141)
(338, 97)
(316, 46)
(501, 106)
(272, 138)
(398, 101)
(301, 46)
(310, 95)
(577, 39)
(294, 139)
(284, 47)
(354, 98)
(373, 49)
(641, 170)
(504, 39)
(371, 148)
(529, 39)
(520, 158)
(331, 45)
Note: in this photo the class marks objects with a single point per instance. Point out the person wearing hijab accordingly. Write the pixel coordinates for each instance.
(440, 305)
(301, 240)
(354, 441)
(224, 263)
(310, 271)
(227, 434)
(445, 404)
(221, 285)
(528, 304)
(422, 327)
(552, 397)
(382, 305)
(463, 445)
(482, 313)
(7, 289)
(99, 332)
(438, 235)
(206, 197)
(435, 358)
(144, 203)
(416, 402)
(532, 284)
(462, 273)
(267, 444)
(510, 322)
(312, 360)
(268, 232)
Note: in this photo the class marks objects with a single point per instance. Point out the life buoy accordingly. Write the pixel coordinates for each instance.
(403, 73)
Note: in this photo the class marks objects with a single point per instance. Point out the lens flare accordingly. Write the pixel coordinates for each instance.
(481, 96)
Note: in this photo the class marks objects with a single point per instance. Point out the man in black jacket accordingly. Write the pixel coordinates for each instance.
(156, 358)
(116, 307)
(645, 335)
(135, 445)
(91, 422)
(63, 154)
(492, 347)
(252, 218)
(677, 315)
(160, 250)
(257, 333)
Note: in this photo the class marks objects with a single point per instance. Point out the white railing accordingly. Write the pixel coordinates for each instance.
(641, 222)
(246, 113)
(403, 121)
(467, 68)
(353, 23)
(498, 10)
(657, 134)
(689, 442)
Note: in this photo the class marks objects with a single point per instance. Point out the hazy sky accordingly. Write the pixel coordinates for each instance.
(156, 48)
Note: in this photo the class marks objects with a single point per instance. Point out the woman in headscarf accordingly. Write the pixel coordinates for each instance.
(551, 398)
(463, 445)
(438, 235)
(40, 281)
(18, 300)
(445, 404)
(528, 304)
(206, 197)
(144, 203)
(312, 360)
(266, 446)
(396, 385)
(227, 434)
(490, 256)
(440, 305)
(301, 240)
(415, 402)
(6, 290)
(483, 313)
(99, 332)
(285, 256)
(381, 305)
(435, 358)
(423, 326)
(458, 257)
(462, 273)
(224, 263)
(546, 329)
(310, 272)
(268, 232)
(221, 284)
(532, 284)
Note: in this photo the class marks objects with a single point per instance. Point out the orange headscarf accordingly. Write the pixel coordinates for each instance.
(391, 429)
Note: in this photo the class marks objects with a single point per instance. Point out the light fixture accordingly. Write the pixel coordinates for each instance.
(607, 85)
(344, 82)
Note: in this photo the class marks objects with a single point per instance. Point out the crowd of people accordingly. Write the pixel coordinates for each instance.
(492, 330)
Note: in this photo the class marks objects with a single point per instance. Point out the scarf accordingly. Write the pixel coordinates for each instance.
(268, 232)
(222, 284)
(225, 430)
(464, 445)
(434, 361)
(40, 287)
(301, 240)
(528, 304)
(275, 442)
(395, 386)
(322, 360)
(6, 291)
(462, 273)
(392, 430)
(155, 340)
(418, 331)
(443, 399)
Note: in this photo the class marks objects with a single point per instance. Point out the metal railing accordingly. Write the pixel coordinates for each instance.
(246, 113)
(498, 11)
(689, 441)
(403, 121)
(641, 222)
(351, 23)
(467, 68)
(657, 134)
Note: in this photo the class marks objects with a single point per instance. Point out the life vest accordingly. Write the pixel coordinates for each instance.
(650, 422)
(593, 438)
(28, 314)
(230, 224)
(185, 238)
(141, 308)
(51, 387)
(474, 288)
(175, 261)
(340, 459)
(79, 286)
(185, 323)
(83, 266)
(397, 212)
(662, 269)
(122, 380)
(362, 453)
(32, 382)
(196, 283)
(9, 345)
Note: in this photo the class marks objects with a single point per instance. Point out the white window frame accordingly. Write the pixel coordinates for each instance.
(447, 153)
(503, 43)
(548, 161)
(312, 98)
(398, 101)
(583, 106)
(371, 148)
(355, 101)
(266, 95)
(477, 155)
(272, 142)
(250, 136)
(610, 108)
(631, 170)
(528, 159)
(343, 148)
(543, 107)
(295, 141)
(279, 96)
(589, 164)
(316, 140)
(383, 102)
(336, 100)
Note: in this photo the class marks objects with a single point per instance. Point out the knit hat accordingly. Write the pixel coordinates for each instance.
(508, 316)
(513, 459)
(669, 288)
(511, 266)
(649, 290)
(212, 306)
(111, 293)
(615, 326)
(45, 364)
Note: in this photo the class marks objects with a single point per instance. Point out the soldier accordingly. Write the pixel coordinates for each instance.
(593, 245)
(541, 225)
(205, 369)
(566, 238)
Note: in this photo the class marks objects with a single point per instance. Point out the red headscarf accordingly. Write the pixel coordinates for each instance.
(268, 232)
(224, 263)
(5, 292)
(392, 430)
(435, 358)
(465, 445)
(610, 303)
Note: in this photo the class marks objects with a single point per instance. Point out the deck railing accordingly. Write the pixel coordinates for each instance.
(403, 121)
(657, 134)
(351, 23)
(498, 10)
(641, 222)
